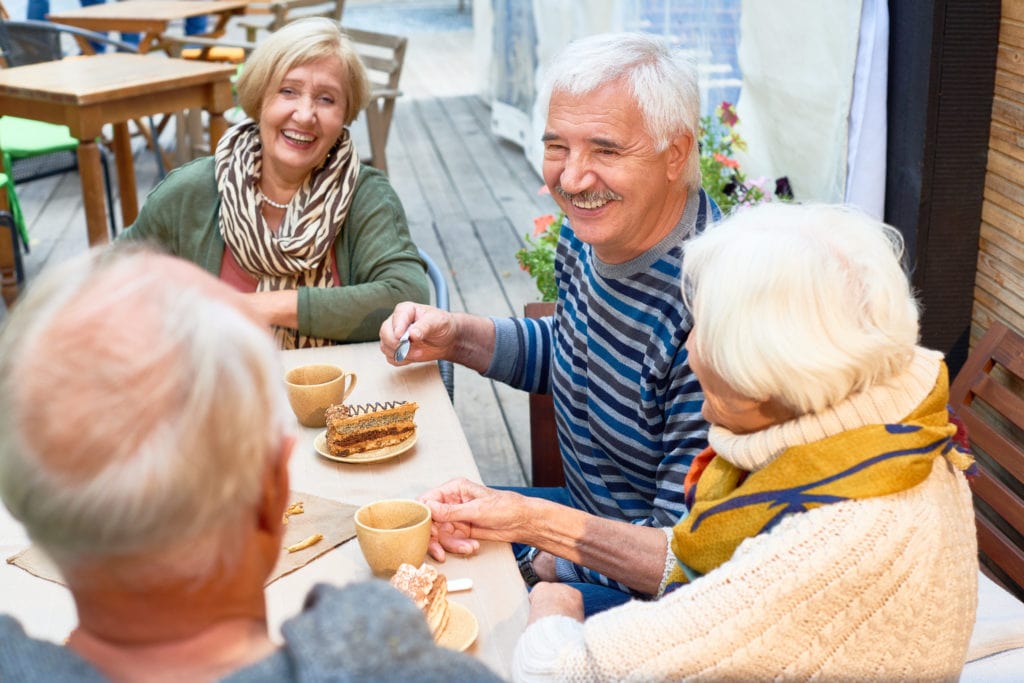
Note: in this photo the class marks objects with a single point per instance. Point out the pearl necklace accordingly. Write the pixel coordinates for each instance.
(270, 201)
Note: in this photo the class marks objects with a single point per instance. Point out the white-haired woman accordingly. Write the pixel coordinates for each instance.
(284, 211)
(830, 532)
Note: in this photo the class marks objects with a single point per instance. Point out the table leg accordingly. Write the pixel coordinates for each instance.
(8, 271)
(92, 192)
(218, 125)
(125, 174)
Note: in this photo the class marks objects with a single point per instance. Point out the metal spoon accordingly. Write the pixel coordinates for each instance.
(403, 346)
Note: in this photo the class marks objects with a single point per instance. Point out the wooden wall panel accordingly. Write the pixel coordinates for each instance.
(999, 283)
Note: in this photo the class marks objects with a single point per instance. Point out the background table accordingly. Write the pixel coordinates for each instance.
(85, 93)
(498, 598)
(149, 17)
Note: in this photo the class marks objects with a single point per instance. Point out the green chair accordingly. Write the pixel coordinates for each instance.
(33, 150)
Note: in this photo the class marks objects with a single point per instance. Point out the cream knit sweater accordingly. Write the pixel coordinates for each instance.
(882, 589)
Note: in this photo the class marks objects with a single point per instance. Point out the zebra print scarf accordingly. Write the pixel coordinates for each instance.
(298, 254)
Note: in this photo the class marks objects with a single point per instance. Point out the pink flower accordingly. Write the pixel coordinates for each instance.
(729, 116)
(541, 224)
(726, 161)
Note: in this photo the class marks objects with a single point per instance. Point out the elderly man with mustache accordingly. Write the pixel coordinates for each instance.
(621, 160)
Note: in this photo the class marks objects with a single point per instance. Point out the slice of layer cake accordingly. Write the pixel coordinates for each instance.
(429, 590)
(365, 427)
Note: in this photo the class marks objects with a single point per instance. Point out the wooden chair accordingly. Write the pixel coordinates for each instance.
(545, 456)
(988, 396)
(383, 56)
(282, 11)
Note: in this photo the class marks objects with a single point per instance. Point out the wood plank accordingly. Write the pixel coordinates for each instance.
(1011, 33)
(1003, 274)
(1005, 192)
(1009, 141)
(1004, 304)
(1006, 221)
(1006, 167)
(1012, 10)
(1008, 113)
(1011, 59)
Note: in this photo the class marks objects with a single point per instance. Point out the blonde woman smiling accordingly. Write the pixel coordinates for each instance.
(284, 211)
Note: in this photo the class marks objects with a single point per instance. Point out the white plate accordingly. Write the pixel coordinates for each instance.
(462, 628)
(320, 444)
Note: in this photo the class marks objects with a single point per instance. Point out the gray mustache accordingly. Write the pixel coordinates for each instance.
(587, 196)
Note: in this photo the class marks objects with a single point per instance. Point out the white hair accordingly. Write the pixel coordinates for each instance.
(663, 82)
(138, 412)
(805, 304)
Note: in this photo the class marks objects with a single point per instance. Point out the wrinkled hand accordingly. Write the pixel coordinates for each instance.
(548, 599)
(432, 335)
(463, 512)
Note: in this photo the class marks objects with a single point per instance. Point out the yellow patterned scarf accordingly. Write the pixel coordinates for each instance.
(730, 505)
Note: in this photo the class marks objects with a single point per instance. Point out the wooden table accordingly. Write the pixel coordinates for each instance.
(148, 17)
(498, 598)
(85, 93)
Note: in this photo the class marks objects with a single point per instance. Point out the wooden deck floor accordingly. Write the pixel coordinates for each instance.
(469, 198)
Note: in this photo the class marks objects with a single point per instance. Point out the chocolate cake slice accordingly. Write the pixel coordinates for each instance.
(358, 428)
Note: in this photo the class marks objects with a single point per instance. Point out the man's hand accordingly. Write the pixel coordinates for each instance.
(547, 599)
(432, 333)
(463, 512)
(438, 335)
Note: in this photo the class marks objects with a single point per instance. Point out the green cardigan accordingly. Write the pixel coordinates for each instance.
(378, 264)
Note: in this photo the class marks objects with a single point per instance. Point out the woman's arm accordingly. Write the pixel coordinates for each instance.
(378, 264)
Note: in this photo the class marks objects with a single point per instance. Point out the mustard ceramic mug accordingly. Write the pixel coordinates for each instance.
(391, 532)
(312, 389)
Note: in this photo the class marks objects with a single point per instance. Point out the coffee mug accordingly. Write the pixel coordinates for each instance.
(312, 389)
(393, 532)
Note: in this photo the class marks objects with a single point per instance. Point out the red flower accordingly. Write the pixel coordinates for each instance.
(541, 223)
(726, 161)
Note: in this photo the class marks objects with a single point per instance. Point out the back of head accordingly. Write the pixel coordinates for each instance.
(139, 410)
(663, 81)
(803, 303)
(295, 44)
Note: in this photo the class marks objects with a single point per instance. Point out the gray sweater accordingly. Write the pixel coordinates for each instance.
(362, 632)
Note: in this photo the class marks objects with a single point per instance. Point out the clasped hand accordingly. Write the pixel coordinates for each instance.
(464, 513)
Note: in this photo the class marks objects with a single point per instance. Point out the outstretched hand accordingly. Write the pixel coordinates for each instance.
(464, 512)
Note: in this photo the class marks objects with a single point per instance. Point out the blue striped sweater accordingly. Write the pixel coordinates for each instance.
(627, 404)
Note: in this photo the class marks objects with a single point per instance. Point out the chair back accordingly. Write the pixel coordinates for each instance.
(988, 396)
(283, 11)
(29, 42)
(440, 285)
(383, 55)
